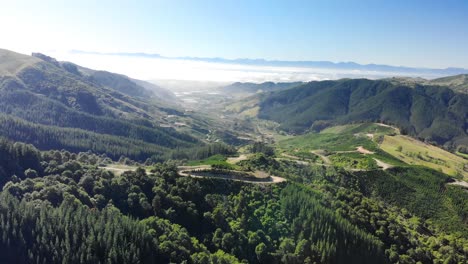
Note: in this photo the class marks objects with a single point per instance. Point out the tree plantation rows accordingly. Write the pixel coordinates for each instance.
(36, 109)
(76, 140)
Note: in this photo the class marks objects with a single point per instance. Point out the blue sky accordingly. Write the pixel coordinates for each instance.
(410, 33)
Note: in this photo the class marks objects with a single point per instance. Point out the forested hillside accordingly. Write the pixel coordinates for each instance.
(61, 105)
(432, 113)
(58, 85)
(63, 208)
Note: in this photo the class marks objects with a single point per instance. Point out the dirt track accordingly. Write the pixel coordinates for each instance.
(362, 150)
(119, 168)
(460, 183)
(319, 153)
(260, 177)
(383, 165)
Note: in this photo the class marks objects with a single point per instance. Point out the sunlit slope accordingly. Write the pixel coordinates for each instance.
(341, 143)
(11, 62)
(457, 83)
(416, 152)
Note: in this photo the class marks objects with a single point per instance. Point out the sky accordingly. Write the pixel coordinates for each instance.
(432, 34)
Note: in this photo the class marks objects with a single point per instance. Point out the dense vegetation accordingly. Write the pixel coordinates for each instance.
(16, 159)
(422, 191)
(25, 105)
(432, 113)
(60, 207)
(181, 219)
(417, 218)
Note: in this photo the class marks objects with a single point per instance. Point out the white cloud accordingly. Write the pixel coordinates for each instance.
(179, 69)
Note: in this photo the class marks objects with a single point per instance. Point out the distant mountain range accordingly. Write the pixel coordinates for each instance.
(348, 66)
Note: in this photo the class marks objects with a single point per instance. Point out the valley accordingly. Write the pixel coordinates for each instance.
(317, 172)
(234, 132)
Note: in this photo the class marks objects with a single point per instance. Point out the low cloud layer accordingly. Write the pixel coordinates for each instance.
(160, 68)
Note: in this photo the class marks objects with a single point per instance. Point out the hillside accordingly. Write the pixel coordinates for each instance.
(113, 81)
(94, 92)
(12, 62)
(59, 95)
(416, 152)
(431, 113)
(458, 83)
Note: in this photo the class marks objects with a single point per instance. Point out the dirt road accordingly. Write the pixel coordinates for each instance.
(319, 153)
(383, 165)
(118, 169)
(362, 150)
(460, 183)
(260, 176)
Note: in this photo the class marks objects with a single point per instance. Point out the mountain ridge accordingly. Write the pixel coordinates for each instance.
(458, 83)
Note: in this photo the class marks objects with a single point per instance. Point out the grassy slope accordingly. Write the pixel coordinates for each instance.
(348, 137)
(12, 62)
(457, 83)
(462, 154)
(328, 141)
(371, 128)
(450, 163)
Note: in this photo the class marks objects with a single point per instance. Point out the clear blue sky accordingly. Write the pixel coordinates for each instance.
(411, 33)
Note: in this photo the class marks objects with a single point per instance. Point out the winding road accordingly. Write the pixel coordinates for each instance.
(259, 177)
